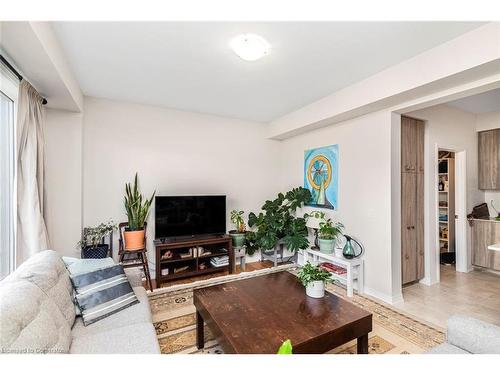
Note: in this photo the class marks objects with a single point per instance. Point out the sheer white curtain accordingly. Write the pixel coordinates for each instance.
(31, 231)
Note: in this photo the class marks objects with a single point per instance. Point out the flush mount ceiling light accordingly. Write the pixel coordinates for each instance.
(250, 47)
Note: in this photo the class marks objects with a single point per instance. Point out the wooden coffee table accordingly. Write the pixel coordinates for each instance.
(256, 315)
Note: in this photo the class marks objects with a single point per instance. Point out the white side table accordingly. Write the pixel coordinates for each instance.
(354, 268)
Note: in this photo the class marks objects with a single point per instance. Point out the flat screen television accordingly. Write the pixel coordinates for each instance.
(189, 216)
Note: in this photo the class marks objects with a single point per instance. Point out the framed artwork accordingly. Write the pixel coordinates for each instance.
(321, 175)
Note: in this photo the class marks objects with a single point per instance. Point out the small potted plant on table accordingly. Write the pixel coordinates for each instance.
(238, 234)
(90, 244)
(328, 233)
(137, 209)
(314, 278)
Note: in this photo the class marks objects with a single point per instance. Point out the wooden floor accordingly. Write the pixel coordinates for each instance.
(475, 294)
(249, 267)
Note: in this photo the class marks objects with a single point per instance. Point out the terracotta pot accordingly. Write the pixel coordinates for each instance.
(134, 240)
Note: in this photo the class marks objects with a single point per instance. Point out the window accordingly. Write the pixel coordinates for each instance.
(8, 98)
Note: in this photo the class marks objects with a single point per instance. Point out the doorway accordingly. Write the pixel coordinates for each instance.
(446, 208)
(451, 211)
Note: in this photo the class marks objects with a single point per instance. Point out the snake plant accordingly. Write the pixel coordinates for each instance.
(136, 206)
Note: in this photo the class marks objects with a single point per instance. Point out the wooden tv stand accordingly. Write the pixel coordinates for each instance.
(193, 263)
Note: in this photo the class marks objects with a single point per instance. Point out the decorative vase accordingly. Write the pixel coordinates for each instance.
(238, 238)
(326, 246)
(349, 251)
(316, 289)
(134, 239)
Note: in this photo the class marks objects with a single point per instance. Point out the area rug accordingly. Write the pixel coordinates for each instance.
(393, 332)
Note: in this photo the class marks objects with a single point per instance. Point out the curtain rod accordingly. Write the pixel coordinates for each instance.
(16, 73)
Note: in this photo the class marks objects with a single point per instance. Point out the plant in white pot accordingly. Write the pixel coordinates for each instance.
(328, 234)
(314, 278)
(137, 208)
(238, 234)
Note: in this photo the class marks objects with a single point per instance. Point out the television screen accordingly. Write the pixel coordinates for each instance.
(183, 216)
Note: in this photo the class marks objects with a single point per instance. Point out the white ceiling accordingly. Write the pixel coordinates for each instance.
(189, 66)
(488, 101)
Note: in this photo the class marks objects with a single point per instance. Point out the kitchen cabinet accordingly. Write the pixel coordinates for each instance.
(412, 199)
(489, 159)
(484, 234)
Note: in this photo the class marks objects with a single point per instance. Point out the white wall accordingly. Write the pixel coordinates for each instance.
(174, 152)
(63, 179)
(364, 187)
(453, 129)
(487, 121)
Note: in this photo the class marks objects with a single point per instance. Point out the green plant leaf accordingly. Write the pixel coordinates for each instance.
(278, 222)
(286, 347)
(136, 207)
(309, 273)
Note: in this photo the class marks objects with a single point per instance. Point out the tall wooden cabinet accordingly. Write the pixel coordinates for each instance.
(489, 159)
(412, 199)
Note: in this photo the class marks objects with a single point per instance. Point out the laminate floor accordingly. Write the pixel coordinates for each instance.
(475, 294)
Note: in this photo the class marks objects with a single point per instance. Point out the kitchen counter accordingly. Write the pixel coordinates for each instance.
(491, 219)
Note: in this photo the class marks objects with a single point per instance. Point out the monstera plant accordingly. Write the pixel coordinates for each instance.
(277, 222)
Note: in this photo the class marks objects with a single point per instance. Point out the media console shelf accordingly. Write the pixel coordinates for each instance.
(180, 265)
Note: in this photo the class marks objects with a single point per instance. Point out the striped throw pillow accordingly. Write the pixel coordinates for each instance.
(102, 293)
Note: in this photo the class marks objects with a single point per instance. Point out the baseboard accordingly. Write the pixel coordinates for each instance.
(427, 281)
(391, 300)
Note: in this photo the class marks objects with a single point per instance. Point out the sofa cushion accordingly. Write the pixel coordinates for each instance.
(47, 271)
(473, 335)
(131, 339)
(30, 321)
(138, 313)
(134, 276)
(102, 293)
(76, 266)
(446, 348)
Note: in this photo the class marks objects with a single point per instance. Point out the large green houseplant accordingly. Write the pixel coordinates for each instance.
(278, 223)
(137, 208)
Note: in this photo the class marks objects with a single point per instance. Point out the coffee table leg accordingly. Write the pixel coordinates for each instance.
(363, 344)
(200, 333)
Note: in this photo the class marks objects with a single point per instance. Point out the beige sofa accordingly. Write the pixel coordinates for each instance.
(37, 315)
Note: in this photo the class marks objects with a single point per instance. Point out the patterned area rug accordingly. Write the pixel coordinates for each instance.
(393, 332)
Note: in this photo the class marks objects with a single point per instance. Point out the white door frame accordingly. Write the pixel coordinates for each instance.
(461, 255)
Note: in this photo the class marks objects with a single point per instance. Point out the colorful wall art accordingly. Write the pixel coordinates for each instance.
(321, 175)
